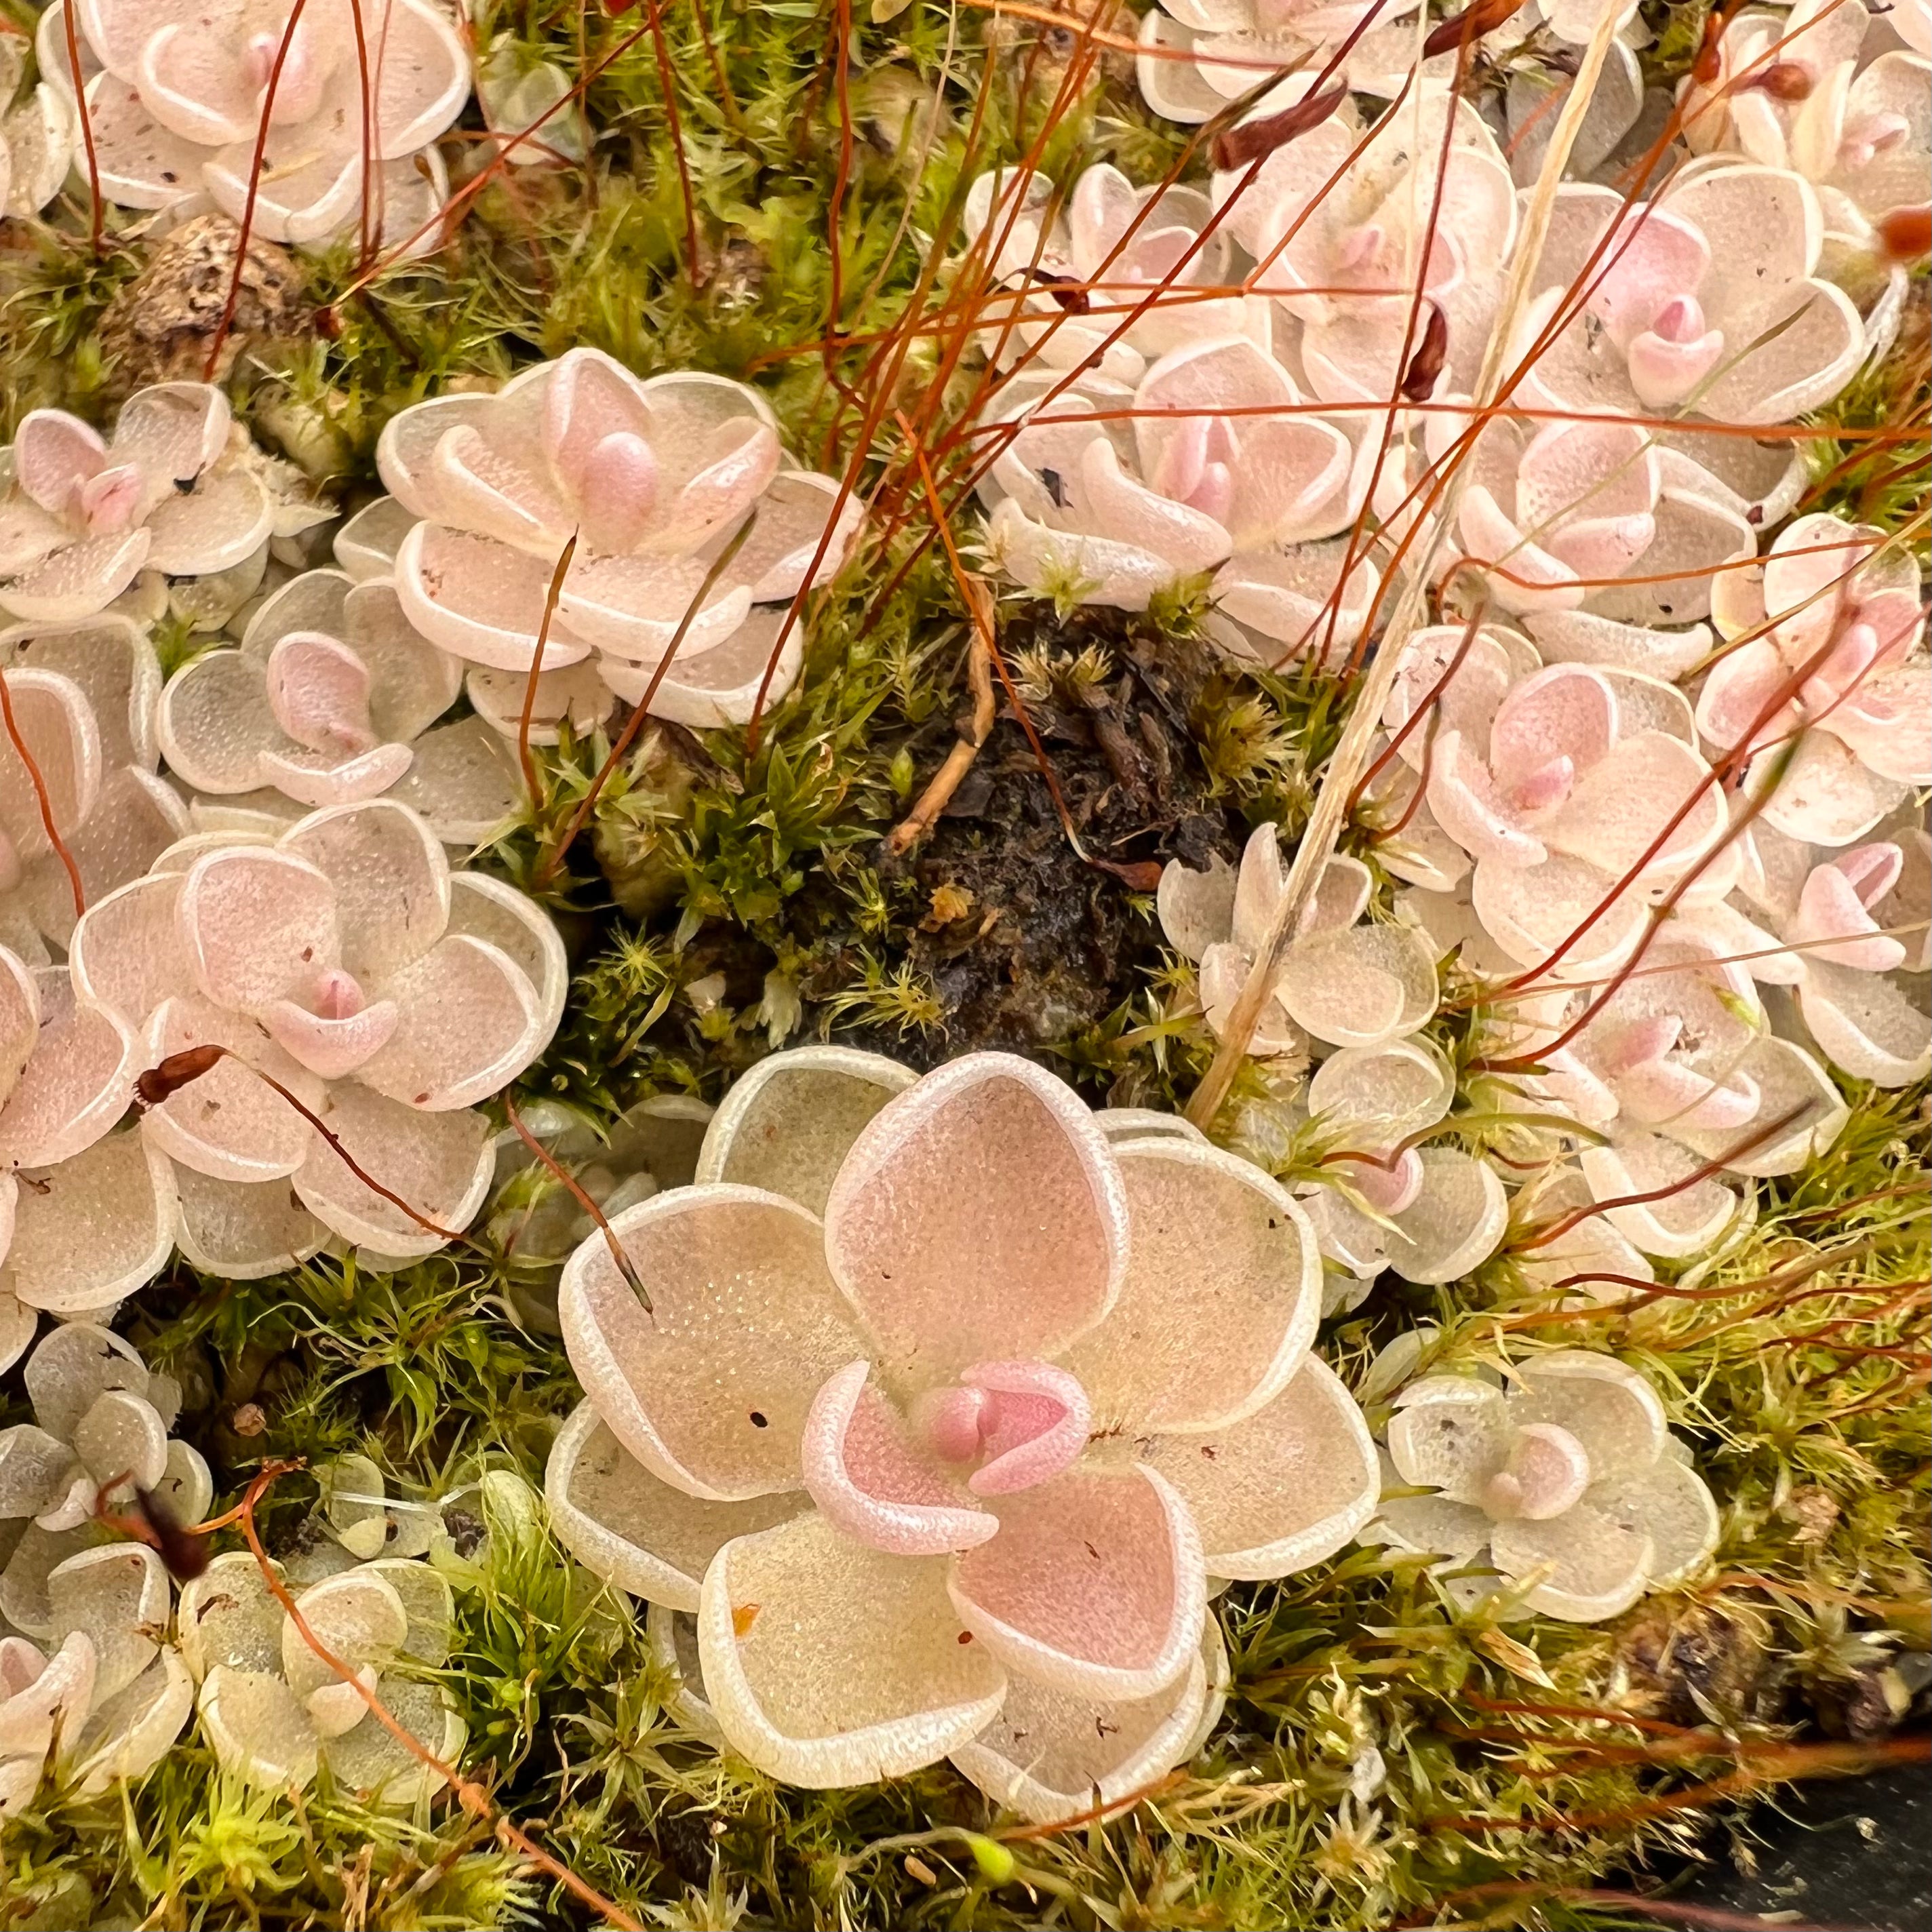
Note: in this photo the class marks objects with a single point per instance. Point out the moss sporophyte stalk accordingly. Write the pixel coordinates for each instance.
(960, 964)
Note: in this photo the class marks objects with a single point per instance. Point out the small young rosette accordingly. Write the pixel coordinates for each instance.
(346, 961)
(1826, 683)
(87, 1681)
(945, 1469)
(1356, 991)
(1846, 930)
(331, 697)
(276, 1714)
(177, 491)
(178, 99)
(1347, 981)
(1567, 1486)
(1676, 1066)
(654, 479)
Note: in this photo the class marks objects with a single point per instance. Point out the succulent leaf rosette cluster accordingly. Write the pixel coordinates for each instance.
(178, 97)
(1354, 993)
(1564, 1491)
(905, 1401)
(87, 1682)
(655, 479)
(345, 966)
(178, 491)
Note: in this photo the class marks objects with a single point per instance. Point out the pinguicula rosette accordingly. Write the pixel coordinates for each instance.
(1105, 494)
(1849, 108)
(276, 1714)
(330, 697)
(944, 1470)
(1198, 57)
(88, 1682)
(1564, 1491)
(346, 961)
(655, 478)
(178, 491)
(179, 97)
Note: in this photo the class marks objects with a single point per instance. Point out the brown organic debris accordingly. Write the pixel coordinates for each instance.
(160, 328)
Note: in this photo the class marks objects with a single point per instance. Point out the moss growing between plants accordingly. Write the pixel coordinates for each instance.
(1384, 1758)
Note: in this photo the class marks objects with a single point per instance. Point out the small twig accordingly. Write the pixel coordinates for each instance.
(177, 1070)
(944, 782)
(550, 600)
(471, 1796)
(625, 1266)
(44, 798)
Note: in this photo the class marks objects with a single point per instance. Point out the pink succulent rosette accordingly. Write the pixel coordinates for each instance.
(1578, 791)
(178, 96)
(176, 490)
(1708, 304)
(1335, 221)
(346, 961)
(1826, 683)
(1108, 494)
(918, 1423)
(1567, 1487)
(1607, 544)
(1124, 245)
(1198, 57)
(1860, 129)
(333, 696)
(654, 478)
(1845, 930)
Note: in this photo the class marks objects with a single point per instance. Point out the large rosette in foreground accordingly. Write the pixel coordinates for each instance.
(345, 963)
(655, 479)
(179, 98)
(949, 1398)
